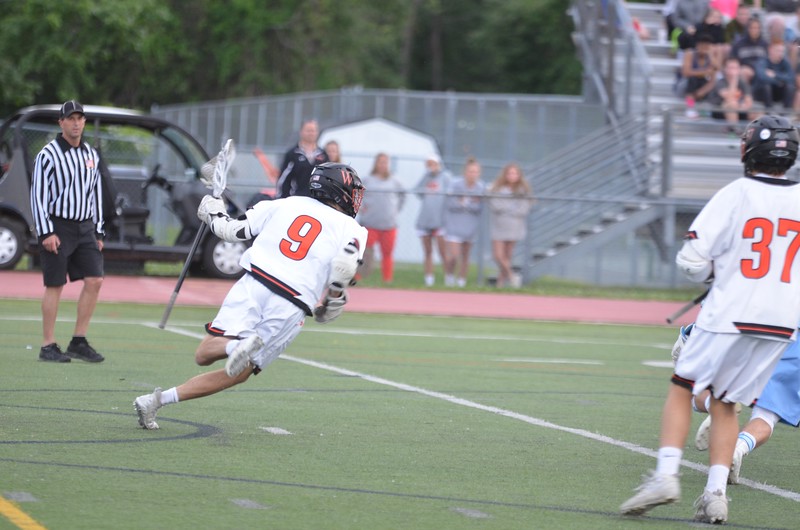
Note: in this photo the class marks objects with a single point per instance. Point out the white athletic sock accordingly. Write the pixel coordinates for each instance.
(717, 478)
(230, 346)
(669, 460)
(169, 396)
(429, 279)
(746, 441)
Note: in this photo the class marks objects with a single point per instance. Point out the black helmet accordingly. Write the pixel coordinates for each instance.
(770, 142)
(338, 184)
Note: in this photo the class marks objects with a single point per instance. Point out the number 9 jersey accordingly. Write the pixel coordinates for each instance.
(749, 233)
(296, 238)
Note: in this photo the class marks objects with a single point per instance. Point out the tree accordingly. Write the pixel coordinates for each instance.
(134, 53)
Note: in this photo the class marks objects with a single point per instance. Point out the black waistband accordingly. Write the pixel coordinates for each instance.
(278, 287)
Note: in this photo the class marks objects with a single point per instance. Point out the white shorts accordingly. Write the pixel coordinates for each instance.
(250, 308)
(735, 367)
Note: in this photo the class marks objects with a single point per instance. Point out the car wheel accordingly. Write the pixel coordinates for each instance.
(12, 243)
(221, 258)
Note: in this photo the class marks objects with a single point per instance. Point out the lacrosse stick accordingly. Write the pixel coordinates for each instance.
(215, 176)
(674, 316)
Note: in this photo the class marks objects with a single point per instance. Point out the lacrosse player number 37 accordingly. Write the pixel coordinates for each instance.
(299, 237)
(766, 229)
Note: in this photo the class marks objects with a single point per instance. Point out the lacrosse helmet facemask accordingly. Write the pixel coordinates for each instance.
(769, 142)
(337, 184)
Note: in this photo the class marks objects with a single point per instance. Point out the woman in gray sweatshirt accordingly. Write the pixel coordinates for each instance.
(431, 190)
(462, 219)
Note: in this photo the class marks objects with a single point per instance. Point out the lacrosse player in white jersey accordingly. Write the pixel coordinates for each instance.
(745, 241)
(305, 254)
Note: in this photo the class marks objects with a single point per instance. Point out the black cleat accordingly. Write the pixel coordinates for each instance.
(83, 352)
(53, 354)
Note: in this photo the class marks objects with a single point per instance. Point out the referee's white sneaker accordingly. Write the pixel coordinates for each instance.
(657, 489)
(712, 507)
(146, 407)
(239, 358)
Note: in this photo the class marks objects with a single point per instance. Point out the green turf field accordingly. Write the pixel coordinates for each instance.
(390, 423)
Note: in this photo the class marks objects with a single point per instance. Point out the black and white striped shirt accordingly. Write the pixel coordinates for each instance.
(66, 183)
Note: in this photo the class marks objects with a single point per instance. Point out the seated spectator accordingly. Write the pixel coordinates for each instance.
(775, 78)
(712, 26)
(749, 49)
(733, 95)
(737, 27)
(698, 73)
(776, 30)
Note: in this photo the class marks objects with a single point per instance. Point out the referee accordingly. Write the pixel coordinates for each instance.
(66, 201)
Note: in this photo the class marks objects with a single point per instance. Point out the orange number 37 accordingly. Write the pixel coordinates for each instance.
(764, 230)
(299, 237)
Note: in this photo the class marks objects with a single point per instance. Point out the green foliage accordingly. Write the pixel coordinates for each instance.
(136, 53)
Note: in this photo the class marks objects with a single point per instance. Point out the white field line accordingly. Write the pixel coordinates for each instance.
(547, 361)
(774, 490)
(177, 325)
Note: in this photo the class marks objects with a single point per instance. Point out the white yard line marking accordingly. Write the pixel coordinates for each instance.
(275, 430)
(176, 326)
(774, 490)
(548, 361)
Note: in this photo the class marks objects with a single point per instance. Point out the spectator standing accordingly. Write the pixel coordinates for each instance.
(333, 151)
(299, 161)
(67, 206)
(749, 49)
(775, 78)
(733, 95)
(431, 191)
(462, 219)
(383, 199)
(509, 205)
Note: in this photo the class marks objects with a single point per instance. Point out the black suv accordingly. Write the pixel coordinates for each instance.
(151, 189)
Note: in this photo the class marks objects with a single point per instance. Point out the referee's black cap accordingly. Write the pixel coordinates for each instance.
(71, 107)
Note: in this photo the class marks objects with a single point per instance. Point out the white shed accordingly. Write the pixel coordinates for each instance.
(361, 141)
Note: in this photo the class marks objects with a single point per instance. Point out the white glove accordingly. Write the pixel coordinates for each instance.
(344, 266)
(683, 336)
(210, 207)
(331, 308)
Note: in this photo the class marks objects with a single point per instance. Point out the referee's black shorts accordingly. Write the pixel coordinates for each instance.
(77, 256)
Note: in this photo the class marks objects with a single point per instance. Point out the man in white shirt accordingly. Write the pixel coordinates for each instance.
(745, 241)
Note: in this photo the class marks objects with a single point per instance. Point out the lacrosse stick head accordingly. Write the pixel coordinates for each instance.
(214, 173)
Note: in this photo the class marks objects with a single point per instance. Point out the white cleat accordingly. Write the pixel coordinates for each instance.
(146, 407)
(239, 358)
(655, 490)
(703, 434)
(712, 507)
(736, 464)
(701, 439)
